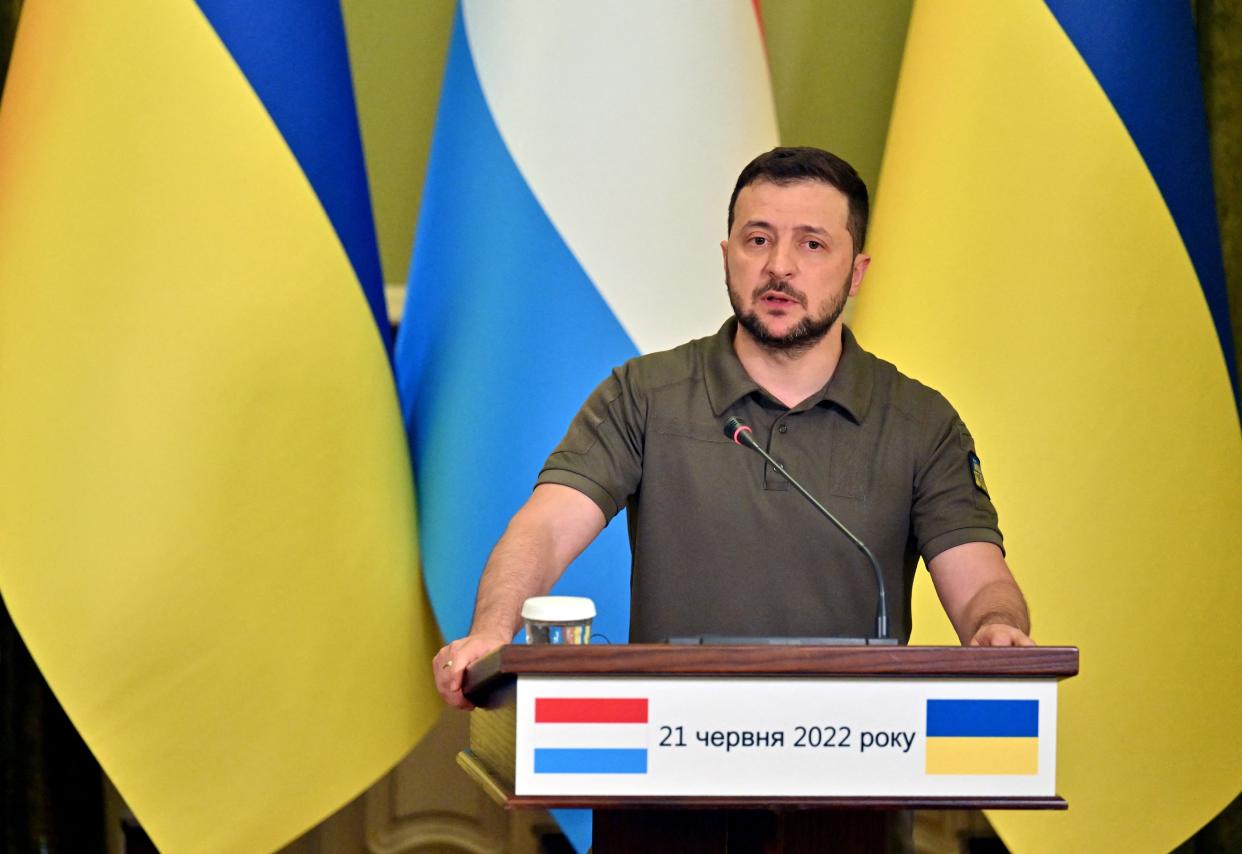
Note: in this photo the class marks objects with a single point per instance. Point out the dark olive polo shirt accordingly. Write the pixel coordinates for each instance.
(721, 543)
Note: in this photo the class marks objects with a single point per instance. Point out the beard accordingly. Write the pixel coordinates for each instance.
(809, 331)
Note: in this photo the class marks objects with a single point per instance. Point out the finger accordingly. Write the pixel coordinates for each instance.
(454, 697)
(445, 660)
(439, 658)
(449, 676)
(443, 688)
(449, 670)
(456, 678)
(442, 667)
(1009, 636)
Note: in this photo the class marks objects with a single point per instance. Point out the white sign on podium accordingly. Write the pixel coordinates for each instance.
(785, 737)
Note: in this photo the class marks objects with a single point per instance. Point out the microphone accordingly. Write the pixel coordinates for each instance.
(739, 431)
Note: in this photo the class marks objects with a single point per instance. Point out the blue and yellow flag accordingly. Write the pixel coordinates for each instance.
(206, 511)
(982, 737)
(1046, 253)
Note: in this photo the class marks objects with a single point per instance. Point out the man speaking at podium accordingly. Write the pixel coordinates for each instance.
(721, 543)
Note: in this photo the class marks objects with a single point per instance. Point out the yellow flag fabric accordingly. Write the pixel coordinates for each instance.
(206, 515)
(1028, 265)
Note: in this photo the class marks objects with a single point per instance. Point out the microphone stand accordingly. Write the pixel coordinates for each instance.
(740, 432)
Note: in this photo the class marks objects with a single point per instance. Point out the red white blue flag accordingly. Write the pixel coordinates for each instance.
(590, 735)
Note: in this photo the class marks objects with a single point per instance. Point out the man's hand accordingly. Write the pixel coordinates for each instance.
(1000, 634)
(980, 596)
(551, 529)
(449, 665)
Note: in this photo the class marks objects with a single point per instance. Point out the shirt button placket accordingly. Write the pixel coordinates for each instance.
(772, 478)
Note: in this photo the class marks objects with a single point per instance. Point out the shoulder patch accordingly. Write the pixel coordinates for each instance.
(976, 472)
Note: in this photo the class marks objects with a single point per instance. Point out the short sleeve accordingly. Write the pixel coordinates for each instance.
(951, 502)
(601, 454)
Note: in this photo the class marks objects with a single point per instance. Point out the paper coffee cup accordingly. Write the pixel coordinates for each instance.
(558, 619)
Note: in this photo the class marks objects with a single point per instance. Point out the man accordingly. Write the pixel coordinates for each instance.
(720, 543)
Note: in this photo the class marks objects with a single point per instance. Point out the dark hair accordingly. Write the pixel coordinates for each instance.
(788, 165)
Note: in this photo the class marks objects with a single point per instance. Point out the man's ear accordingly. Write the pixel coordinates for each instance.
(861, 262)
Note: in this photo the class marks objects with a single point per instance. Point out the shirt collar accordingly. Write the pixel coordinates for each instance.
(852, 382)
(726, 379)
(849, 388)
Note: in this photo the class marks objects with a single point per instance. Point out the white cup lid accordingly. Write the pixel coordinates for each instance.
(558, 609)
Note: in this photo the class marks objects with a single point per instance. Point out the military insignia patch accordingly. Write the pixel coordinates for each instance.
(976, 472)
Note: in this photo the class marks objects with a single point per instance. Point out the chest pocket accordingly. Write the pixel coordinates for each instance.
(852, 460)
(699, 433)
(826, 452)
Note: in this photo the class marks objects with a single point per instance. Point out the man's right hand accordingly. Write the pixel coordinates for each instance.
(552, 528)
(449, 665)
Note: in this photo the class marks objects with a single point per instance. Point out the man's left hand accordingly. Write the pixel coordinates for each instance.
(1000, 634)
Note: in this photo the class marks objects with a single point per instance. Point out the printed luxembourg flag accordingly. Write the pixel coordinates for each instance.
(590, 735)
(983, 737)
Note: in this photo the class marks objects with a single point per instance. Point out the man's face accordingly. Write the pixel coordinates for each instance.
(790, 262)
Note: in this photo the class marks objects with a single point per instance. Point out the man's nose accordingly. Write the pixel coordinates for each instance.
(781, 263)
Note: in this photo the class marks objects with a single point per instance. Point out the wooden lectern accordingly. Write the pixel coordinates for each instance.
(766, 747)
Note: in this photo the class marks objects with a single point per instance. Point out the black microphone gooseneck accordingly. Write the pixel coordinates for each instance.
(739, 431)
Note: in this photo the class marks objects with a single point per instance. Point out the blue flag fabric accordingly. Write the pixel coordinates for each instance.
(571, 212)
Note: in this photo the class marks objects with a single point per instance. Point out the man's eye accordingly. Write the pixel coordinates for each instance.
(759, 240)
(814, 244)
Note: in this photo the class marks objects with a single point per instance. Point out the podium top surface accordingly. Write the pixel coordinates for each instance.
(509, 662)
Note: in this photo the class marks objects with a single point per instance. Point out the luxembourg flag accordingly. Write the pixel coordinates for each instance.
(590, 735)
(573, 205)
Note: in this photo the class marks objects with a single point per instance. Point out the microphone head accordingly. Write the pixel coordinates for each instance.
(735, 427)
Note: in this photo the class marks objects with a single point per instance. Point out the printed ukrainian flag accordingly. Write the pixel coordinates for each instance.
(206, 515)
(982, 736)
